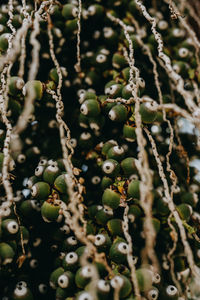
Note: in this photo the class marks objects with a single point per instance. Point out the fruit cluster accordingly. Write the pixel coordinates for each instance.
(99, 146)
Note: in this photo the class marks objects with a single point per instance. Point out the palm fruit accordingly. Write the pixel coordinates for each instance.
(134, 189)
(30, 208)
(60, 183)
(111, 198)
(118, 251)
(128, 166)
(31, 181)
(85, 140)
(70, 244)
(148, 112)
(107, 145)
(65, 281)
(69, 11)
(83, 276)
(22, 292)
(113, 89)
(115, 227)
(6, 253)
(134, 212)
(129, 133)
(106, 182)
(70, 261)
(15, 85)
(83, 295)
(90, 108)
(4, 41)
(123, 283)
(106, 179)
(144, 278)
(118, 113)
(170, 292)
(33, 89)
(102, 287)
(181, 68)
(184, 211)
(111, 167)
(102, 242)
(153, 293)
(103, 215)
(50, 174)
(53, 281)
(95, 10)
(40, 190)
(118, 61)
(9, 227)
(50, 211)
(96, 123)
(116, 153)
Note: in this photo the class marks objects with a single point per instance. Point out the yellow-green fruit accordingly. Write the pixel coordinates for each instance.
(111, 198)
(49, 211)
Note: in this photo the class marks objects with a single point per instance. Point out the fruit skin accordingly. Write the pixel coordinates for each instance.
(111, 167)
(6, 253)
(15, 85)
(115, 227)
(4, 42)
(134, 189)
(128, 166)
(116, 254)
(49, 174)
(148, 114)
(126, 287)
(69, 11)
(54, 277)
(118, 113)
(49, 211)
(144, 278)
(26, 296)
(80, 279)
(60, 183)
(129, 133)
(111, 198)
(34, 88)
(90, 108)
(40, 190)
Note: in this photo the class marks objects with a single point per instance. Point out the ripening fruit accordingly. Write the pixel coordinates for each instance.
(69, 11)
(60, 183)
(40, 190)
(118, 113)
(53, 281)
(111, 167)
(83, 276)
(128, 166)
(70, 261)
(90, 108)
(134, 189)
(33, 89)
(102, 242)
(118, 252)
(9, 227)
(111, 198)
(15, 85)
(122, 282)
(50, 211)
(6, 253)
(4, 41)
(22, 293)
(148, 112)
